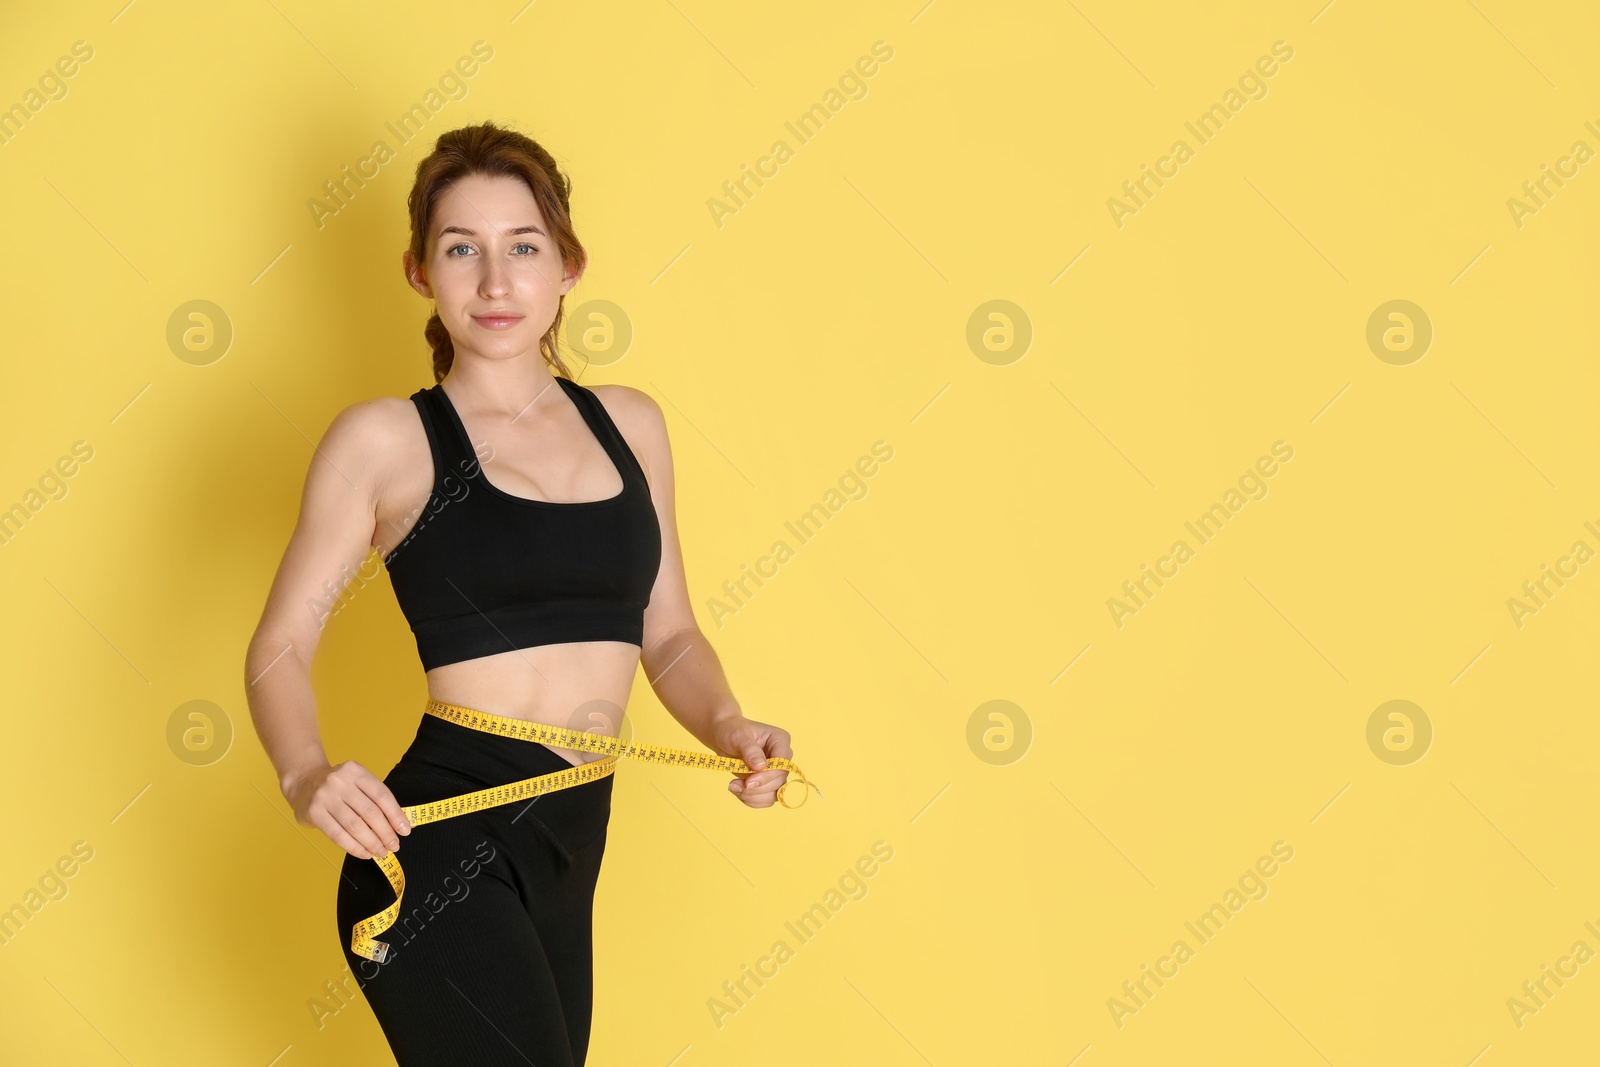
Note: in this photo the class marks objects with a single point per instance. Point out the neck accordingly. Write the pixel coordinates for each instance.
(513, 388)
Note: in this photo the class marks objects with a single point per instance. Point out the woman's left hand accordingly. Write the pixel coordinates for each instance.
(754, 742)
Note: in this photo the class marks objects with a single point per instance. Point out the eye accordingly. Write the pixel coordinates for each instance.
(450, 252)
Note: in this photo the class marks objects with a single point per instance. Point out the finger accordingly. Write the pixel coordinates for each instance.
(765, 782)
(753, 755)
(386, 802)
(753, 797)
(357, 827)
(374, 817)
(750, 780)
(338, 836)
(743, 788)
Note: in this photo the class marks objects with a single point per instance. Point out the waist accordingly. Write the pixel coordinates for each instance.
(478, 757)
(571, 685)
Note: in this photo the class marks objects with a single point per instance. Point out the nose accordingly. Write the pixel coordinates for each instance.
(495, 279)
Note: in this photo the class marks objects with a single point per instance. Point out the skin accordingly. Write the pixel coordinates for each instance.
(369, 482)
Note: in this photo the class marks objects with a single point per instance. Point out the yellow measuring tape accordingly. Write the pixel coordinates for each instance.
(363, 940)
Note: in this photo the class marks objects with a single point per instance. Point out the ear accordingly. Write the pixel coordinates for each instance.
(574, 276)
(416, 276)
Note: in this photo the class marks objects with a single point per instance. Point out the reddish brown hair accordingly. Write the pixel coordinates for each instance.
(494, 151)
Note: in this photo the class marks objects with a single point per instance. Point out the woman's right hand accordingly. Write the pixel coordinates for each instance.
(352, 806)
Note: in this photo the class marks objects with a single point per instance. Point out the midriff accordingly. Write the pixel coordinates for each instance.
(580, 685)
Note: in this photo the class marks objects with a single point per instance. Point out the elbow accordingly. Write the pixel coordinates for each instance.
(669, 643)
(271, 649)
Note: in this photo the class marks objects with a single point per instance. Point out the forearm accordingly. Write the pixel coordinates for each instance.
(283, 708)
(688, 679)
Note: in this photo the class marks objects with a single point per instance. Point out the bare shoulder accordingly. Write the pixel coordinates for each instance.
(641, 422)
(369, 437)
(382, 421)
(626, 402)
(381, 411)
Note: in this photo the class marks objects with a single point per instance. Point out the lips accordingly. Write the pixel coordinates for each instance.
(497, 320)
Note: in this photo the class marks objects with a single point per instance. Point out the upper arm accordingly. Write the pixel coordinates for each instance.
(333, 533)
(645, 427)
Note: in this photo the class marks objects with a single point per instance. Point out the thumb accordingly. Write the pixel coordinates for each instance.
(754, 757)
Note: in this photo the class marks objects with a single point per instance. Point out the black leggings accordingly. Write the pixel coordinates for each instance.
(491, 957)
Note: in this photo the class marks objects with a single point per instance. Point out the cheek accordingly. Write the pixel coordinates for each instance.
(544, 272)
(451, 284)
(459, 290)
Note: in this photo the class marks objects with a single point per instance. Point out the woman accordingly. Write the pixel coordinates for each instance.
(528, 526)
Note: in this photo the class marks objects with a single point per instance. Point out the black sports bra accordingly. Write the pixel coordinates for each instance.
(484, 572)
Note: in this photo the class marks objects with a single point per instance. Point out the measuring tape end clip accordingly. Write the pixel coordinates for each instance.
(370, 949)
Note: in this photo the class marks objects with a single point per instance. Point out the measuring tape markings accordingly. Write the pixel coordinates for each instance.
(363, 940)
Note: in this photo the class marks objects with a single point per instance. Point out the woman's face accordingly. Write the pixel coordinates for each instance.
(489, 257)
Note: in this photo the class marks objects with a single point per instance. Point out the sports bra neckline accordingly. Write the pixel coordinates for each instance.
(601, 433)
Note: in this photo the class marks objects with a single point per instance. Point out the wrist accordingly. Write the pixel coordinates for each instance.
(297, 773)
(716, 723)
(725, 712)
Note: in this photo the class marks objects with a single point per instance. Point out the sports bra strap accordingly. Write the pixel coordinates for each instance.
(448, 446)
(600, 422)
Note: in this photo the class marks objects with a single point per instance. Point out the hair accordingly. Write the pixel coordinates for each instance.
(493, 151)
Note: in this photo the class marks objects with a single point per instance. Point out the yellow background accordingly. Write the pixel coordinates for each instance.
(831, 311)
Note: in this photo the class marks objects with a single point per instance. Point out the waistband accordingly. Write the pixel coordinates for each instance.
(478, 756)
